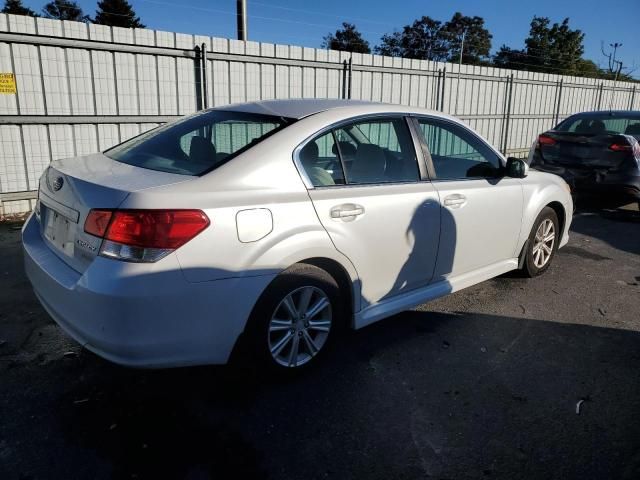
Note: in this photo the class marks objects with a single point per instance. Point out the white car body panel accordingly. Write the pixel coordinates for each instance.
(192, 306)
(399, 228)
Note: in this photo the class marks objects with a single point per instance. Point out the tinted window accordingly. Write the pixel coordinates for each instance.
(456, 152)
(601, 124)
(198, 143)
(378, 151)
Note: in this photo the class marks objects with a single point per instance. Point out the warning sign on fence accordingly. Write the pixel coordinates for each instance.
(7, 83)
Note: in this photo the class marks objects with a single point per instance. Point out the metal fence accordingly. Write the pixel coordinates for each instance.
(82, 88)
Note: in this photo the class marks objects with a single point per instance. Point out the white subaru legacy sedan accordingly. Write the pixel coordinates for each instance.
(273, 224)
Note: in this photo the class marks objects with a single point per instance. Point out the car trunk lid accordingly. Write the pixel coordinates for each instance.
(70, 188)
(582, 150)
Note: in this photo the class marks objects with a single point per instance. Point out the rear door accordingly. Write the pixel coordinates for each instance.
(481, 211)
(374, 200)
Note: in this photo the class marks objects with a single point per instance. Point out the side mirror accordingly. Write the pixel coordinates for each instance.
(517, 168)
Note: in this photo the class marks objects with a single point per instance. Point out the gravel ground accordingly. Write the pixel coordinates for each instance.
(509, 379)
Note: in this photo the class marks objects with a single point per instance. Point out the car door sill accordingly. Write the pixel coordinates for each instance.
(411, 299)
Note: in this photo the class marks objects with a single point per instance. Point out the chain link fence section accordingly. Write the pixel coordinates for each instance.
(83, 88)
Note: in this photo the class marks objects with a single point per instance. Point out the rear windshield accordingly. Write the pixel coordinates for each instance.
(602, 124)
(197, 144)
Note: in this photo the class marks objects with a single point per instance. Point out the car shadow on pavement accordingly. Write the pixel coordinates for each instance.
(419, 394)
(610, 226)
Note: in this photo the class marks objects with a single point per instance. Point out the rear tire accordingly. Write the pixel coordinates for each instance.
(295, 320)
(542, 244)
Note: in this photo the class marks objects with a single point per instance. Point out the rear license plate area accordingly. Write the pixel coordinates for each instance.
(580, 152)
(59, 231)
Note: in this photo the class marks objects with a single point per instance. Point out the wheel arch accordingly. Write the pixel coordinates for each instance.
(560, 213)
(342, 277)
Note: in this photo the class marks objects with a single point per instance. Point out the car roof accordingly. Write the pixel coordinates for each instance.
(301, 108)
(610, 113)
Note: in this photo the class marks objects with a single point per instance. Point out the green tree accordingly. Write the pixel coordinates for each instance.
(423, 39)
(64, 10)
(554, 48)
(117, 13)
(347, 39)
(511, 58)
(477, 39)
(15, 7)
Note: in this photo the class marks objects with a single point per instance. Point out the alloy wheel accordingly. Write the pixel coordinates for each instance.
(300, 326)
(543, 243)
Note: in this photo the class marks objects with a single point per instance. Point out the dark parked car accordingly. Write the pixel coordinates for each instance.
(597, 154)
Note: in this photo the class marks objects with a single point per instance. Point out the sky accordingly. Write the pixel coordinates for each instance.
(305, 22)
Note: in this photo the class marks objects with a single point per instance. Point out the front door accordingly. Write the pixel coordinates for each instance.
(370, 196)
(481, 209)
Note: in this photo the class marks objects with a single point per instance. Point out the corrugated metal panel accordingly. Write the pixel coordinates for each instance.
(86, 70)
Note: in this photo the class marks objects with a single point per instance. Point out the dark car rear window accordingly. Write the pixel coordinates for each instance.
(605, 123)
(197, 144)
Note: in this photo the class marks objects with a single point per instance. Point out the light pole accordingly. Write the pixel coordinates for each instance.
(242, 19)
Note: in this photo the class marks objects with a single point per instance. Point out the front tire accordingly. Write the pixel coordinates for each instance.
(542, 244)
(295, 320)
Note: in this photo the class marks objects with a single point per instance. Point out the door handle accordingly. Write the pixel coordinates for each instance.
(455, 200)
(346, 210)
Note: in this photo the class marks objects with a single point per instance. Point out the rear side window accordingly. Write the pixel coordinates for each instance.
(197, 144)
(366, 152)
(601, 124)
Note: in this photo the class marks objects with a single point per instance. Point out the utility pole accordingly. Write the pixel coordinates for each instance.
(464, 33)
(242, 19)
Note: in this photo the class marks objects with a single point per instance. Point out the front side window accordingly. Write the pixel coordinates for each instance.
(457, 153)
(370, 151)
(197, 144)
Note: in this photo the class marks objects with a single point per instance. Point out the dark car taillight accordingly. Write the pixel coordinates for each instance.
(144, 235)
(545, 140)
(620, 147)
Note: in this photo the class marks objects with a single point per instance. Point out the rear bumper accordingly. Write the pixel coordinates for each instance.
(614, 187)
(141, 315)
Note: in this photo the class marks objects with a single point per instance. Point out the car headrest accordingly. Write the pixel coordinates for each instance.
(583, 126)
(633, 129)
(597, 126)
(347, 149)
(202, 150)
(368, 165)
(309, 153)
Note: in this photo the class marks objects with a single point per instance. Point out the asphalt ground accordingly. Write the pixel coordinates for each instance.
(512, 378)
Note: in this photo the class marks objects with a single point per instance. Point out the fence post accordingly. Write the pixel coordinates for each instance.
(350, 77)
(558, 100)
(203, 70)
(197, 67)
(507, 114)
(344, 79)
(436, 104)
(633, 94)
(444, 78)
(599, 96)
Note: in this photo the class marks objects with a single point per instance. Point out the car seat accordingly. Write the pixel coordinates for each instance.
(318, 176)
(368, 165)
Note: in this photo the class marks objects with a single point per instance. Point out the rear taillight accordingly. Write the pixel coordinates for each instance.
(144, 235)
(545, 140)
(97, 222)
(620, 147)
